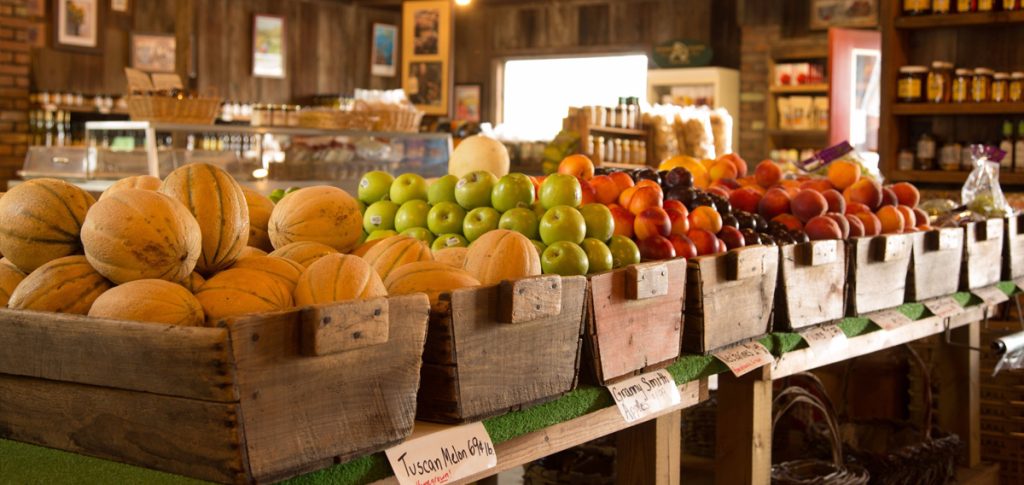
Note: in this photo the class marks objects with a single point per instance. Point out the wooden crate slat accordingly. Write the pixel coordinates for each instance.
(1013, 248)
(983, 252)
(874, 283)
(812, 284)
(935, 263)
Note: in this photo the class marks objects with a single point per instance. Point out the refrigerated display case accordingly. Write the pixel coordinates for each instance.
(714, 87)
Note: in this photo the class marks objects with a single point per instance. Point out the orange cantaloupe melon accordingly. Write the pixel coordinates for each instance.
(242, 291)
(260, 208)
(365, 247)
(151, 301)
(10, 277)
(8, 263)
(338, 277)
(304, 252)
(249, 252)
(282, 269)
(430, 277)
(454, 257)
(218, 204)
(193, 282)
(323, 214)
(144, 182)
(64, 285)
(136, 234)
(502, 255)
(40, 221)
(394, 252)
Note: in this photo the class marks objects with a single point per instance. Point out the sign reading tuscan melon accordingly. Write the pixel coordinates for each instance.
(644, 395)
(682, 53)
(443, 457)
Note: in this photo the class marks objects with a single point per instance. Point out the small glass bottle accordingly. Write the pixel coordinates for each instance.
(926, 152)
(981, 85)
(1015, 92)
(949, 157)
(905, 162)
(942, 6)
(911, 84)
(962, 85)
(986, 5)
(917, 7)
(1010, 5)
(964, 6)
(1000, 87)
(940, 82)
(599, 153)
(611, 117)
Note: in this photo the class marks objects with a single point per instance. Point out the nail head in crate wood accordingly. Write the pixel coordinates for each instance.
(241, 402)
(478, 363)
(812, 284)
(935, 259)
(634, 319)
(877, 277)
(729, 297)
(983, 252)
(1013, 248)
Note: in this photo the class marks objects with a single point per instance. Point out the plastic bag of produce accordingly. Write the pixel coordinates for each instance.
(693, 130)
(981, 192)
(721, 128)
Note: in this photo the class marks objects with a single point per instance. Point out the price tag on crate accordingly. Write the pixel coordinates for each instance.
(943, 307)
(890, 319)
(991, 295)
(443, 457)
(825, 338)
(1020, 283)
(745, 357)
(644, 395)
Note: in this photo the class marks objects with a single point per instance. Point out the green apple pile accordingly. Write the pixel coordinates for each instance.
(571, 239)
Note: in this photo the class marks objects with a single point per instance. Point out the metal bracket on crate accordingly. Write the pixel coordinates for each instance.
(948, 336)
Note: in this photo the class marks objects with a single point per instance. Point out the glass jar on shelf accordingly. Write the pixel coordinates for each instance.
(986, 5)
(926, 152)
(911, 84)
(905, 161)
(1015, 90)
(917, 7)
(962, 85)
(1000, 87)
(965, 6)
(949, 157)
(940, 82)
(981, 85)
(1010, 5)
(942, 6)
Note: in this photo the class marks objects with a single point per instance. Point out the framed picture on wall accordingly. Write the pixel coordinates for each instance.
(843, 13)
(76, 24)
(384, 53)
(426, 54)
(268, 46)
(153, 52)
(467, 102)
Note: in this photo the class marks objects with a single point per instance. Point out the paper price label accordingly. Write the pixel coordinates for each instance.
(991, 295)
(443, 457)
(644, 395)
(826, 338)
(890, 319)
(943, 307)
(1019, 282)
(746, 357)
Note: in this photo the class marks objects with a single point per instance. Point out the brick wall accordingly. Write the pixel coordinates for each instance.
(14, 87)
(755, 57)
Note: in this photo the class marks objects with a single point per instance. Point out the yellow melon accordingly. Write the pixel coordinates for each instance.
(242, 291)
(479, 152)
(154, 301)
(327, 215)
(8, 263)
(304, 252)
(365, 247)
(430, 277)
(502, 255)
(396, 251)
(10, 277)
(40, 220)
(144, 182)
(454, 257)
(217, 203)
(136, 234)
(64, 285)
(260, 208)
(193, 282)
(284, 270)
(338, 277)
(249, 252)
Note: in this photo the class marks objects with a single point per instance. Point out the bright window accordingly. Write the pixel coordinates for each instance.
(538, 92)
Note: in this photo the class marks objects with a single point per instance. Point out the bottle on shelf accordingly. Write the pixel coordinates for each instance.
(1007, 145)
(942, 6)
(1018, 149)
(926, 152)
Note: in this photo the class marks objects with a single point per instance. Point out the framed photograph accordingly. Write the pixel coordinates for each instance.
(153, 52)
(843, 13)
(426, 54)
(119, 6)
(76, 24)
(268, 46)
(384, 54)
(467, 102)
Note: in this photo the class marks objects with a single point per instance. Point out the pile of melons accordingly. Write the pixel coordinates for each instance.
(197, 248)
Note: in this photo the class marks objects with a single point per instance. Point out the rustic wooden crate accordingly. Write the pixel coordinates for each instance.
(499, 348)
(934, 262)
(729, 297)
(983, 253)
(878, 272)
(1013, 248)
(812, 284)
(256, 399)
(634, 319)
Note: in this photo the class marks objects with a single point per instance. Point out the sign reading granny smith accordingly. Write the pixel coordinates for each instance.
(682, 53)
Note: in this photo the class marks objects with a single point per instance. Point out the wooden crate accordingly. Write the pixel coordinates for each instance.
(878, 272)
(983, 253)
(1013, 248)
(634, 319)
(256, 399)
(500, 348)
(934, 263)
(812, 284)
(729, 297)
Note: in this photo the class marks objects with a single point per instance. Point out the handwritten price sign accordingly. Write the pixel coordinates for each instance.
(991, 295)
(890, 319)
(644, 395)
(746, 357)
(826, 338)
(943, 307)
(443, 457)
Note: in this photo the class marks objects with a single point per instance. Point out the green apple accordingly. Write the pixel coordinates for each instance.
(474, 189)
(420, 233)
(445, 218)
(479, 221)
(522, 220)
(539, 210)
(511, 191)
(600, 223)
(380, 216)
(380, 234)
(560, 189)
(562, 223)
(599, 256)
(362, 206)
(539, 246)
(624, 251)
(412, 214)
(445, 241)
(408, 186)
(442, 190)
(564, 258)
(374, 186)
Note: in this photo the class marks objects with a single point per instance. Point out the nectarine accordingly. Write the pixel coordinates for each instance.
(578, 165)
(706, 242)
(679, 219)
(767, 174)
(843, 174)
(907, 194)
(745, 199)
(774, 202)
(864, 191)
(652, 221)
(707, 218)
(891, 219)
(622, 180)
(790, 221)
(808, 204)
(605, 189)
(623, 220)
(822, 227)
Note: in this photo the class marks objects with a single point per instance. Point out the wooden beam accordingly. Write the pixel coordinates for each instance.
(650, 452)
(957, 379)
(743, 448)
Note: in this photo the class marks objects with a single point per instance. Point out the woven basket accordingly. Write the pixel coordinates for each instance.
(398, 120)
(699, 427)
(587, 464)
(335, 119)
(166, 109)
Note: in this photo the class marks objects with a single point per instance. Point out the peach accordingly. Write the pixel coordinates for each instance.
(589, 195)
(737, 161)
(723, 169)
(774, 202)
(843, 174)
(855, 207)
(718, 190)
(622, 180)
(819, 185)
(745, 199)
(653, 221)
(856, 226)
(707, 218)
(872, 225)
(865, 191)
(684, 246)
(907, 194)
(909, 218)
(921, 216)
(808, 204)
(844, 225)
(648, 183)
(889, 197)
(891, 220)
(767, 174)
(706, 242)
(822, 227)
(605, 189)
(644, 197)
(577, 165)
(679, 219)
(790, 221)
(623, 220)
(675, 204)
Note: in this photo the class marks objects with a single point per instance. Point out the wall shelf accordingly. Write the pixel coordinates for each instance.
(957, 109)
(608, 130)
(803, 89)
(976, 19)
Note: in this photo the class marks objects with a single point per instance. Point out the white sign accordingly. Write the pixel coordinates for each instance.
(644, 395)
(943, 307)
(890, 319)
(1019, 282)
(991, 295)
(825, 338)
(443, 457)
(746, 357)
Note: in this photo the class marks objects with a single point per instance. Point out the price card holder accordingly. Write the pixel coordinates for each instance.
(744, 358)
(943, 307)
(825, 338)
(645, 395)
(890, 319)
(991, 295)
(443, 457)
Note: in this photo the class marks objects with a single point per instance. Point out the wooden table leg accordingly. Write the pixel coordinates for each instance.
(959, 401)
(743, 451)
(650, 452)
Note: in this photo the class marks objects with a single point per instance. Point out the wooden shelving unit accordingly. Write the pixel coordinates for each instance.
(977, 19)
(577, 121)
(804, 89)
(957, 109)
(82, 109)
(806, 49)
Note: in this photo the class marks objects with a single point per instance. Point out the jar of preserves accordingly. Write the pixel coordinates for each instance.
(949, 157)
(942, 6)
(911, 84)
(986, 5)
(1000, 87)
(940, 82)
(1009, 5)
(917, 7)
(905, 162)
(926, 152)
(962, 85)
(1015, 92)
(981, 85)
(964, 6)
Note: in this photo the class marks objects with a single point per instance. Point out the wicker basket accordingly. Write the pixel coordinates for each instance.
(335, 119)
(699, 427)
(166, 109)
(397, 119)
(591, 463)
